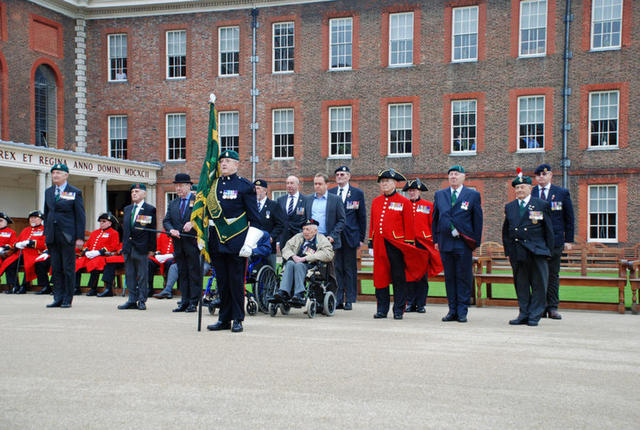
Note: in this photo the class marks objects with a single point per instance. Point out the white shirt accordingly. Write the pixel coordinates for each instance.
(295, 200)
(345, 190)
(525, 200)
(138, 207)
(457, 190)
(542, 190)
(261, 203)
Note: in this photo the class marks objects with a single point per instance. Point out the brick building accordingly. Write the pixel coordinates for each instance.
(416, 86)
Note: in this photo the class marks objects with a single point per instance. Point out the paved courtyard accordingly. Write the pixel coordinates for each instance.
(93, 366)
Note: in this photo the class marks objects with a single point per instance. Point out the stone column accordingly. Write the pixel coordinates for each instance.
(41, 186)
(81, 85)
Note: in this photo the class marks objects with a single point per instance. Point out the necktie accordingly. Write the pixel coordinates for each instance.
(544, 193)
(340, 193)
(57, 194)
(290, 207)
(183, 206)
(133, 215)
(260, 206)
(454, 197)
(521, 207)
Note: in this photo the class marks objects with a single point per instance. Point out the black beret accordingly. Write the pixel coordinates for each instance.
(260, 183)
(310, 222)
(343, 169)
(542, 168)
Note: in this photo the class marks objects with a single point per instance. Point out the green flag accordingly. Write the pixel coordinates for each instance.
(208, 174)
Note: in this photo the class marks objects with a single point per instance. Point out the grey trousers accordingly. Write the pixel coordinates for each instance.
(293, 274)
(137, 274)
(172, 278)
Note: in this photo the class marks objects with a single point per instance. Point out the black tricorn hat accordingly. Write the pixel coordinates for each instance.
(182, 178)
(4, 216)
(310, 222)
(36, 213)
(390, 173)
(415, 184)
(109, 217)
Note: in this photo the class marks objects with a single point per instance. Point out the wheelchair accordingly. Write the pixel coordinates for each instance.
(320, 293)
(264, 283)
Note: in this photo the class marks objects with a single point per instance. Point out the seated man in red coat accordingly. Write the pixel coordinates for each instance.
(102, 243)
(29, 246)
(7, 238)
(422, 211)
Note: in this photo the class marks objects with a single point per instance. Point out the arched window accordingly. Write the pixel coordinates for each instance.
(45, 107)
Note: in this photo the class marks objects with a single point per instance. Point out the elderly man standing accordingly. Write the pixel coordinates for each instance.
(272, 218)
(457, 230)
(355, 227)
(293, 204)
(185, 249)
(527, 236)
(137, 245)
(300, 251)
(64, 223)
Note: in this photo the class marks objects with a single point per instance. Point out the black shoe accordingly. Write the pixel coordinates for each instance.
(519, 321)
(421, 310)
(397, 316)
(297, 300)
(55, 304)
(220, 325)
(237, 326)
(45, 290)
(65, 305)
(348, 306)
(191, 308)
(128, 305)
(108, 292)
(10, 290)
(142, 306)
(281, 296)
(77, 291)
(532, 323)
(409, 308)
(554, 315)
(21, 290)
(462, 319)
(450, 317)
(92, 292)
(339, 306)
(163, 295)
(180, 308)
(379, 315)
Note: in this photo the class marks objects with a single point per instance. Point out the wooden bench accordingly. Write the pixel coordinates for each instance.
(485, 276)
(634, 282)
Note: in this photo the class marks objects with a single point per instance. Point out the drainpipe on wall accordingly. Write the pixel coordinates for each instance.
(566, 92)
(254, 92)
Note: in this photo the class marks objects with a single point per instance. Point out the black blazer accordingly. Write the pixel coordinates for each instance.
(67, 214)
(273, 220)
(530, 233)
(561, 213)
(143, 241)
(355, 210)
(295, 220)
(173, 220)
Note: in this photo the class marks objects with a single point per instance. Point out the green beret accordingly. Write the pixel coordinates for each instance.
(521, 180)
(60, 166)
(138, 187)
(230, 154)
(456, 168)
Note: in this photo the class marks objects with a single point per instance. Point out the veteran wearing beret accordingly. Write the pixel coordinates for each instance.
(272, 217)
(563, 226)
(527, 236)
(137, 245)
(64, 224)
(457, 231)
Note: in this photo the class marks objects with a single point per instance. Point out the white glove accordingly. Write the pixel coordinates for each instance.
(371, 252)
(245, 251)
(91, 254)
(163, 257)
(454, 232)
(42, 257)
(22, 245)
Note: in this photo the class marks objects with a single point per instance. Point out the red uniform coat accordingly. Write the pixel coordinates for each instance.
(164, 245)
(31, 252)
(392, 220)
(7, 237)
(422, 211)
(105, 241)
(116, 257)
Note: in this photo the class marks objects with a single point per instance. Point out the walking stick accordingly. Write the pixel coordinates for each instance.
(200, 301)
(164, 232)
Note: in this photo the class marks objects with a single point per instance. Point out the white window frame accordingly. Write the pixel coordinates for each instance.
(223, 130)
(235, 42)
(168, 196)
(273, 132)
(617, 119)
(175, 114)
(403, 16)
(617, 212)
(347, 123)
(594, 6)
(389, 122)
(273, 47)
(341, 46)
(110, 39)
(539, 3)
(167, 56)
(535, 112)
(111, 125)
(452, 137)
(454, 12)
(276, 194)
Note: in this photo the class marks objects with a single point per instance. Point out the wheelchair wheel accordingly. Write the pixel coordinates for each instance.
(212, 308)
(273, 309)
(284, 308)
(329, 305)
(312, 305)
(265, 287)
(252, 306)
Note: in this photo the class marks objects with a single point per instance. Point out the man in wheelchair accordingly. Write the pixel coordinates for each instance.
(300, 252)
